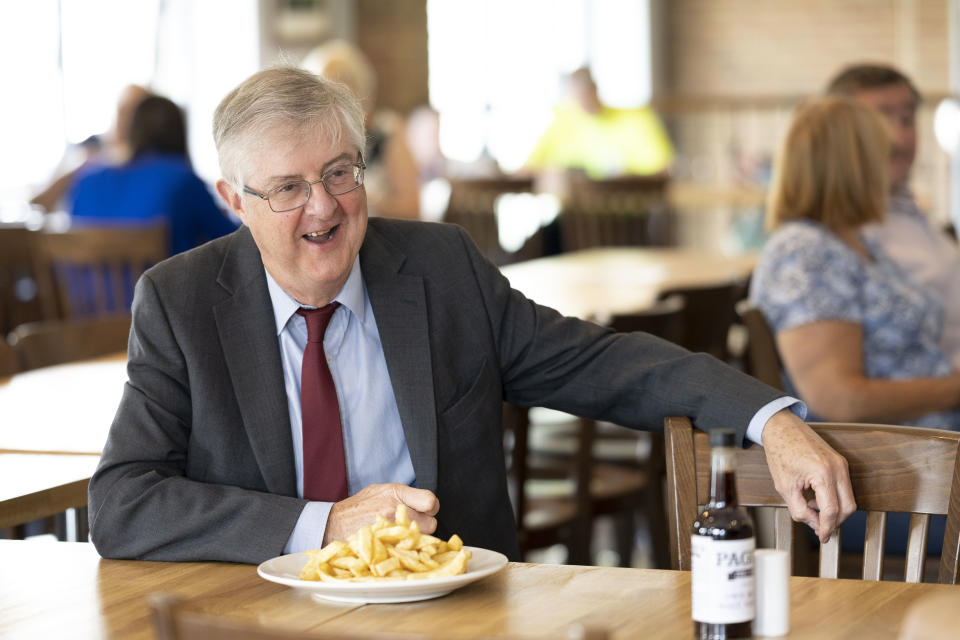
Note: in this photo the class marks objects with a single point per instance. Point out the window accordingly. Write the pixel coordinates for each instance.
(497, 67)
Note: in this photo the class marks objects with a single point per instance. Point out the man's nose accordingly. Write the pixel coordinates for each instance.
(320, 202)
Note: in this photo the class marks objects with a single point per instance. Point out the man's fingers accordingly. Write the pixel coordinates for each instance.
(427, 524)
(829, 505)
(800, 511)
(420, 500)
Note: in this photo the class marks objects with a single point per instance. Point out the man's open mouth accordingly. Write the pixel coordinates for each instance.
(322, 236)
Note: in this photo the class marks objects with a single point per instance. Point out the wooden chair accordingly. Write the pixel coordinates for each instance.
(544, 521)
(892, 468)
(9, 363)
(709, 312)
(627, 211)
(91, 271)
(472, 205)
(763, 359)
(19, 295)
(50, 342)
(665, 319)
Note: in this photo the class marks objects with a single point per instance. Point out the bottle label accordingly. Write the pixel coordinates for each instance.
(722, 580)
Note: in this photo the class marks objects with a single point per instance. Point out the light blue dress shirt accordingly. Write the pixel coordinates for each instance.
(373, 441)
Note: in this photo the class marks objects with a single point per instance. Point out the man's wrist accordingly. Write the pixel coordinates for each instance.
(760, 419)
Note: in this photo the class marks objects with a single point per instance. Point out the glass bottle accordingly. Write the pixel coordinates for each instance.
(721, 550)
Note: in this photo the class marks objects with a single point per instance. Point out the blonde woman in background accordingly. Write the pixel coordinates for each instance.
(859, 341)
(391, 175)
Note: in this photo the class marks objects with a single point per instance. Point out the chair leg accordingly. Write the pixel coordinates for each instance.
(625, 534)
(578, 549)
(656, 514)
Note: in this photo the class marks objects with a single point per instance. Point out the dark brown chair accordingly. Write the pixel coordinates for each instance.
(627, 211)
(9, 364)
(50, 342)
(762, 357)
(665, 319)
(544, 521)
(472, 205)
(19, 294)
(91, 271)
(892, 469)
(709, 312)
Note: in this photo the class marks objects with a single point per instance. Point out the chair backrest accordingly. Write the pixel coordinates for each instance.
(516, 425)
(50, 342)
(708, 315)
(892, 469)
(20, 300)
(92, 271)
(627, 211)
(763, 359)
(472, 206)
(665, 319)
(9, 364)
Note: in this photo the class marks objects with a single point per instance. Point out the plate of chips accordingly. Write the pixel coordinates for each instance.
(384, 562)
(286, 570)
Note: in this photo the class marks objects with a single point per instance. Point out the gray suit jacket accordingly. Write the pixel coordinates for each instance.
(199, 462)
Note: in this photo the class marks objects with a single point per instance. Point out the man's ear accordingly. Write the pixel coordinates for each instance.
(232, 198)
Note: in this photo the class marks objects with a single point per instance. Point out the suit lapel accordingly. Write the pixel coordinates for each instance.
(399, 305)
(247, 331)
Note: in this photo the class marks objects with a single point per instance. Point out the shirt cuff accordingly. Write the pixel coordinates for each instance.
(310, 527)
(759, 420)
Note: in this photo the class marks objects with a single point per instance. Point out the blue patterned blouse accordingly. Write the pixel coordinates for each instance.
(807, 274)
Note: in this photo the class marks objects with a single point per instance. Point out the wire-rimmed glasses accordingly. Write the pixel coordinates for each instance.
(340, 179)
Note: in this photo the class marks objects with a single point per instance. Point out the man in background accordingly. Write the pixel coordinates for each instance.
(111, 149)
(602, 141)
(925, 253)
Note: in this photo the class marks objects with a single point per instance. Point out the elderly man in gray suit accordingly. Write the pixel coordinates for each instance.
(247, 430)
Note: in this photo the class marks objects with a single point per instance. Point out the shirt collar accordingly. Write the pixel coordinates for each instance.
(350, 296)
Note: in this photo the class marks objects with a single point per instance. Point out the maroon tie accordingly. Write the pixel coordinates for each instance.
(324, 469)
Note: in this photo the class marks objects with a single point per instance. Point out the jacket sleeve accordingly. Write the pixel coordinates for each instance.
(142, 503)
(635, 379)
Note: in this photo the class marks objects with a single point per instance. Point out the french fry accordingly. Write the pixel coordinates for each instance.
(387, 551)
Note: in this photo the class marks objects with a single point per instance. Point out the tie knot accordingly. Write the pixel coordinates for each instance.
(317, 320)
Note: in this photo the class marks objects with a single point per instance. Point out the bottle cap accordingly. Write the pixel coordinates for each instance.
(723, 438)
(772, 569)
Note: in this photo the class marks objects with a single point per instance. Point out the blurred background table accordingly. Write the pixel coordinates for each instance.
(36, 486)
(49, 587)
(597, 283)
(62, 409)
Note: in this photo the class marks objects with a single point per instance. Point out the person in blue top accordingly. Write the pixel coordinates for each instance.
(157, 183)
(860, 341)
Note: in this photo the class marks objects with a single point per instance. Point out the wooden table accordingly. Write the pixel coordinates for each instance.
(62, 409)
(596, 283)
(39, 485)
(47, 588)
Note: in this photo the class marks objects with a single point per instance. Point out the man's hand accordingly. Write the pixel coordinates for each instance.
(799, 459)
(362, 508)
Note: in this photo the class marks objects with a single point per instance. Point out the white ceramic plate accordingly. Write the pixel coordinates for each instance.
(286, 570)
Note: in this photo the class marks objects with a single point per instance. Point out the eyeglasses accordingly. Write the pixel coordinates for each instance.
(341, 179)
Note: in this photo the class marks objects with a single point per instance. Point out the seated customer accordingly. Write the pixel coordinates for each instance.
(859, 341)
(157, 183)
(602, 141)
(929, 256)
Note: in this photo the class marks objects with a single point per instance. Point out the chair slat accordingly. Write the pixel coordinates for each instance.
(830, 556)
(873, 545)
(917, 546)
(892, 469)
(783, 530)
(950, 558)
(681, 490)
